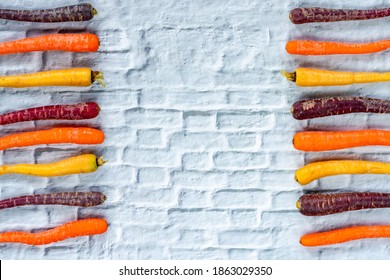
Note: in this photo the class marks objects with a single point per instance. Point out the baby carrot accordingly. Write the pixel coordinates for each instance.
(321, 169)
(309, 77)
(74, 165)
(59, 135)
(53, 42)
(82, 199)
(81, 111)
(345, 234)
(81, 12)
(309, 47)
(78, 228)
(81, 77)
(315, 141)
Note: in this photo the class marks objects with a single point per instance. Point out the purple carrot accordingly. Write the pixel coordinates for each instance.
(82, 12)
(79, 111)
(83, 199)
(315, 14)
(326, 204)
(323, 107)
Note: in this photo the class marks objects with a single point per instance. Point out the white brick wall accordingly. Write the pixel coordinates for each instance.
(198, 131)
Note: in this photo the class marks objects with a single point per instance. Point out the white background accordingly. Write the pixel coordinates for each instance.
(198, 132)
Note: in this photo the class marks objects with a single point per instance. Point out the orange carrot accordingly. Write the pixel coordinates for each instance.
(314, 141)
(345, 234)
(59, 135)
(310, 77)
(54, 42)
(69, 230)
(309, 47)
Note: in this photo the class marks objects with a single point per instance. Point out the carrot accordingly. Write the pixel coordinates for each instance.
(81, 77)
(345, 234)
(315, 141)
(323, 107)
(53, 42)
(315, 14)
(320, 169)
(82, 199)
(59, 135)
(74, 165)
(81, 111)
(82, 12)
(78, 228)
(309, 77)
(327, 204)
(309, 47)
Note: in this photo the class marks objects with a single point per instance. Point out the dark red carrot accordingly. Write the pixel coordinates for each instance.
(326, 204)
(79, 111)
(82, 12)
(316, 14)
(323, 107)
(82, 199)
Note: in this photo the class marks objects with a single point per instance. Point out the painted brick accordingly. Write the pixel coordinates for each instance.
(195, 120)
(194, 254)
(242, 254)
(242, 140)
(152, 176)
(197, 141)
(195, 218)
(194, 199)
(240, 160)
(199, 180)
(198, 132)
(150, 137)
(244, 239)
(192, 238)
(244, 218)
(245, 121)
(196, 161)
(242, 199)
(153, 118)
(150, 158)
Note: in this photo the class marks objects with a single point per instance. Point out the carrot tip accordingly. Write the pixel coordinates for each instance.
(100, 161)
(291, 76)
(97, 76)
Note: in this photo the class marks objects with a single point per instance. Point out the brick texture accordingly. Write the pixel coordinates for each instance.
(198, 131)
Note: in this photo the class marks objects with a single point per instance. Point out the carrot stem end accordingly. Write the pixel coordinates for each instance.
(100, 161)
(97, 76)
(291, 76)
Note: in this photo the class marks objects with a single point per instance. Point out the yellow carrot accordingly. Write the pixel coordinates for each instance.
(317, 170)
(309, 77)
(75, 165)
(81, 77)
